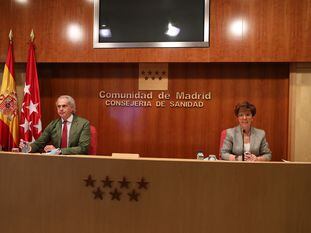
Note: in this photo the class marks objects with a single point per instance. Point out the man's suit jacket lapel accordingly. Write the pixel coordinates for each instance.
(73, 129)
(59, 132)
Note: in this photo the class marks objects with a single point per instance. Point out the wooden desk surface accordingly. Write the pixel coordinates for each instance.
(49, 194)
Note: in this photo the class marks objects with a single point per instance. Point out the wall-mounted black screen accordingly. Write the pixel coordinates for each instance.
(151, 23)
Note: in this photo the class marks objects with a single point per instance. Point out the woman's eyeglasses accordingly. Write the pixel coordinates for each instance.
(246, 115)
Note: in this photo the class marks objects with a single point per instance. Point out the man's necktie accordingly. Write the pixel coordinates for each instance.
(64, 143)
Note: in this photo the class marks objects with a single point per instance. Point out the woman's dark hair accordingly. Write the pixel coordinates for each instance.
(245, 106)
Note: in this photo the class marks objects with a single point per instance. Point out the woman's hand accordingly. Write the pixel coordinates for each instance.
(250, 157)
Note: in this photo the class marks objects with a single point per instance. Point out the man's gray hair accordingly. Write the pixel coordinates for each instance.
(71, 101)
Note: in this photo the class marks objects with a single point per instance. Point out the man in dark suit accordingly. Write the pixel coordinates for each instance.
(69, 134)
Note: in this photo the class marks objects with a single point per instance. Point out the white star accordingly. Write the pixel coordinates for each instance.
(32, 107)
(26, 125)
(38, 126)
(26, 89)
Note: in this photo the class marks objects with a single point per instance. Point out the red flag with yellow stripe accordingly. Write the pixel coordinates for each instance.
(9, 129)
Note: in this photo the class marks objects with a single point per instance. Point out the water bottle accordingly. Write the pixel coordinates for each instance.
(200, 155)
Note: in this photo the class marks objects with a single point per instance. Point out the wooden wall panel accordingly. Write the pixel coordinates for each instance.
(273, 30)
(48, 194)
(299, 112)
(172, 132)
(5, 21)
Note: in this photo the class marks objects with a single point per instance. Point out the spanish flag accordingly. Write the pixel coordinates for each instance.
(8, 106)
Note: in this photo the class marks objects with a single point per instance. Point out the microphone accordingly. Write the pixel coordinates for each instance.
(243, 131)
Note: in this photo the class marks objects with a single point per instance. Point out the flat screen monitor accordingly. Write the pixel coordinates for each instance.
(151, 23)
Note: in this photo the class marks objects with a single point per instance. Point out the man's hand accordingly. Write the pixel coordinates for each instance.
(49, 148)
(24, 146)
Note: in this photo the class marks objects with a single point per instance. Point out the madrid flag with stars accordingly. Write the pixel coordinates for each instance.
(8, 105)
(30, 123)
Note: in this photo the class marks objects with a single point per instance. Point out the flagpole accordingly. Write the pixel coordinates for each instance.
(11, 36)
(32, 36)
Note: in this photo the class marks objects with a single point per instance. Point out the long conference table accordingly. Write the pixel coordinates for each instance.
(101, 194)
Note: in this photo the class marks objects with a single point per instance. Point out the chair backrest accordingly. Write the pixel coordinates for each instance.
(222, 139)
(93, 143)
